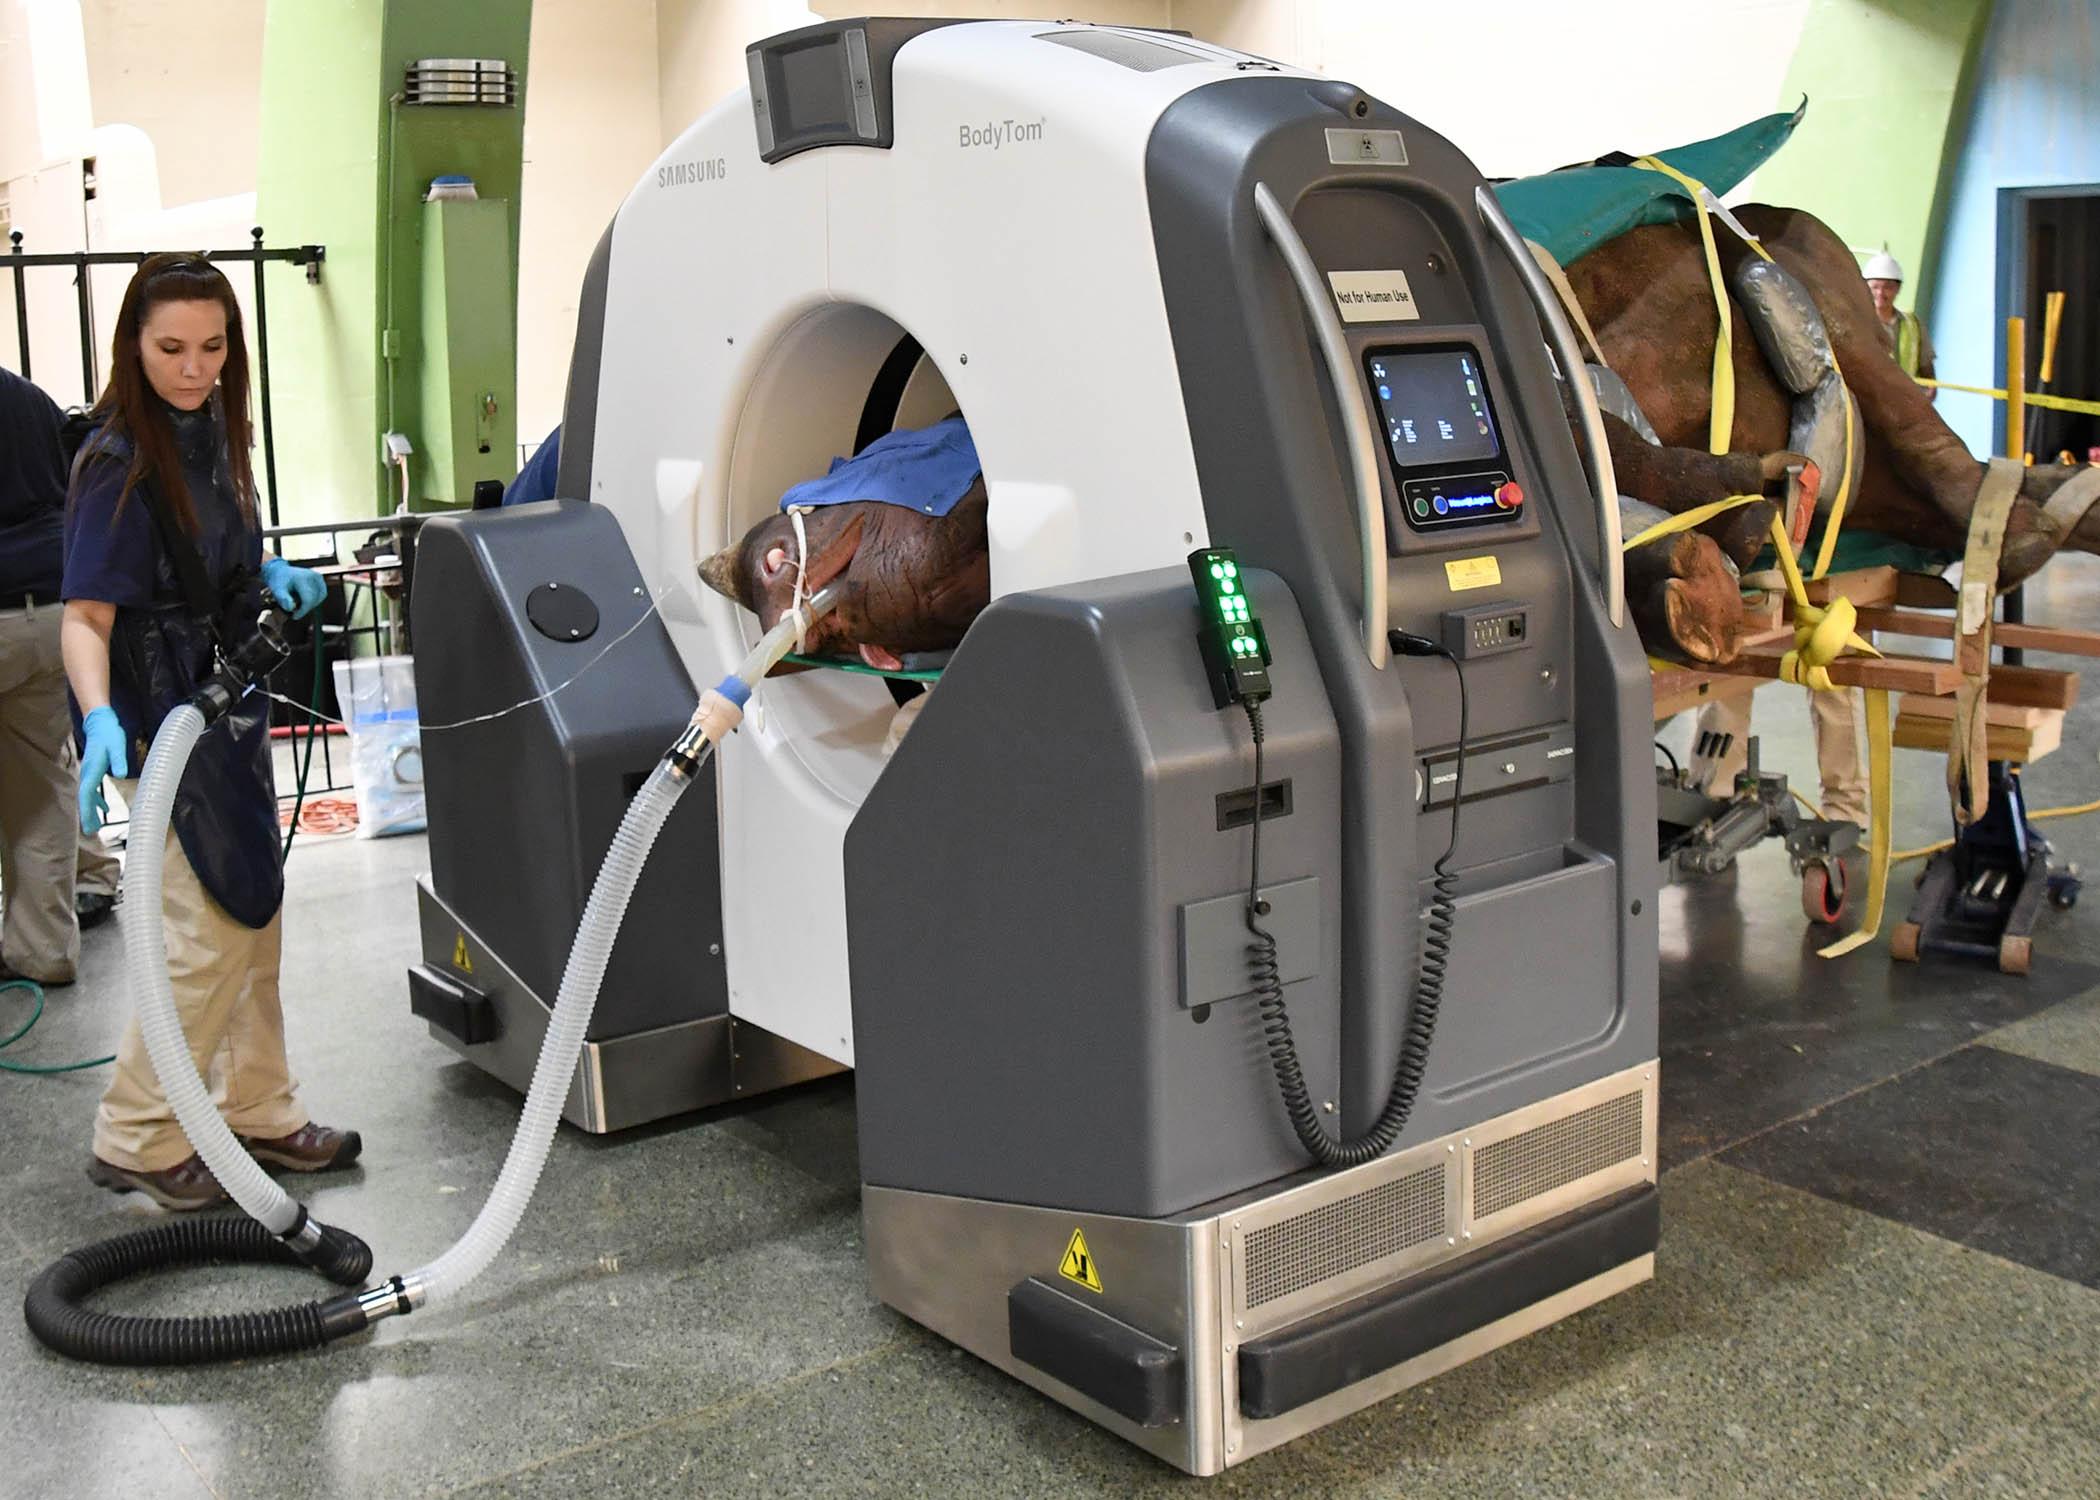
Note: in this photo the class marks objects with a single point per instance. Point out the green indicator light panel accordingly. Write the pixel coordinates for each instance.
(1235, 651)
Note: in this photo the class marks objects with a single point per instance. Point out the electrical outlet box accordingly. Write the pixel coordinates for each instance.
(1486, 629)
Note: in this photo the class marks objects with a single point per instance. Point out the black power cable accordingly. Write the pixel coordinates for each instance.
(1266, 972)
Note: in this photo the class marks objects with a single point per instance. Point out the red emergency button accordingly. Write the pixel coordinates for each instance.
(1509, 496)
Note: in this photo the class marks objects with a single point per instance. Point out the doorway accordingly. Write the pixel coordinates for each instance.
(2049, 241)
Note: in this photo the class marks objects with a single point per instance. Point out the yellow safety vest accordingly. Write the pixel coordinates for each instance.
(1907, 330)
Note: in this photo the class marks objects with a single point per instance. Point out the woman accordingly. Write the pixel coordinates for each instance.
(167, 468)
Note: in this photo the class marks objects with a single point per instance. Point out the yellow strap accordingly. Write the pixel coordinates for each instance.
(1568, 299)
(1844, 494)
(1698, 515)
(1820, 635)
(1967, 742)
(2073, 498)
(2054, 403)
(1722, 423)
(1721, 426)
(1881, 815)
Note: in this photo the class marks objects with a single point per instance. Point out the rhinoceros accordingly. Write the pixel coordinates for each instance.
(914, 583)
(909, 581)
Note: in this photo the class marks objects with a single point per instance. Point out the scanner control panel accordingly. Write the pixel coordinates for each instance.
(1441, 437)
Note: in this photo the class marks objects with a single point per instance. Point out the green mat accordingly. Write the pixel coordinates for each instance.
(1857, 549)
(855, 664)
(1572, 212)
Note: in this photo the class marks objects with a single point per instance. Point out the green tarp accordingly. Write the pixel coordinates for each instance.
(1572, 212)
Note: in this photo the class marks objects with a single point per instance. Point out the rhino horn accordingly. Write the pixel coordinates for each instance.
(721, 573)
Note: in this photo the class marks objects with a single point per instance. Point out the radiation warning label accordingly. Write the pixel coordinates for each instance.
(1078, 1264)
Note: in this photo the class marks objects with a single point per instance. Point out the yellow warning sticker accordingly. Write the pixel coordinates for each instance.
(1473, 573)
(1078, 1264)
(460, 960)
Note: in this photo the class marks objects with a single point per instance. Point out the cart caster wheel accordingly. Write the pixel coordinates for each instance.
(1903, 943)
(2063, 892)
(1823, 892)
(2015, 954)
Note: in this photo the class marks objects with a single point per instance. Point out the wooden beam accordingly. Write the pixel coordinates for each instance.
(1900, 674)
(2038, 733)
(1677, 692)
(1941, 628)
(1863, 586)
(2033, 687)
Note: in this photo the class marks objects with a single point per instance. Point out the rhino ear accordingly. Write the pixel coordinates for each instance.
(831, 559)
(721, 573)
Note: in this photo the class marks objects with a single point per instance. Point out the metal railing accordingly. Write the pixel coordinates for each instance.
(21, 264)
(374, 576)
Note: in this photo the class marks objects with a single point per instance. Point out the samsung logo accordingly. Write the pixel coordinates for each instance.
(685, 173)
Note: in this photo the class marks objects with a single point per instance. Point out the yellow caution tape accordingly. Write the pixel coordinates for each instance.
(2054, 403)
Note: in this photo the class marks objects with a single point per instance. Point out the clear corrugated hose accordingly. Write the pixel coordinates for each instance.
(146, 956)
(556, 1069)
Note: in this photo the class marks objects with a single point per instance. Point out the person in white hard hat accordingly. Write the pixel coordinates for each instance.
(1903, 332)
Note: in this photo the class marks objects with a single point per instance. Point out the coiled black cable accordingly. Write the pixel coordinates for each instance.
(1266, 972)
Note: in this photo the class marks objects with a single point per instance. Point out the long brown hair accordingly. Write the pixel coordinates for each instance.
(129, 405)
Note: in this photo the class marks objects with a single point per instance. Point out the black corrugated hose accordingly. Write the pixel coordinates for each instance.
(1263, 968)
(56, 1317)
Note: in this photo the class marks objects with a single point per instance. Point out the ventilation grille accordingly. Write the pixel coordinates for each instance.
(1351, 1232)
(1133, 52)
(460, 80)
(1556, 1154)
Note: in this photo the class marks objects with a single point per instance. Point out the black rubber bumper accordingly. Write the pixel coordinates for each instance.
(447, 1001)
(1128, 1371)
(1363, 1338)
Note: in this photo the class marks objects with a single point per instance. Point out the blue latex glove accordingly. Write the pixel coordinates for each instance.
(294, 589)
(103, 756)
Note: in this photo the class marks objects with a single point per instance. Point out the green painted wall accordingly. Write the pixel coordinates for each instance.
(1885, 82)
(343, 164)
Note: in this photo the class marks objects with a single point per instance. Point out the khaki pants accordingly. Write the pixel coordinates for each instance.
(98, 870)
(225, 981)
(39, 832)
(1836, 718)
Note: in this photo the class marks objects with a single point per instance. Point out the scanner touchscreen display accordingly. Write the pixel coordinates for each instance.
(1434, 406)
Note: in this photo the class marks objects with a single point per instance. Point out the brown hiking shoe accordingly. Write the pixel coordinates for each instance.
(310, 1148)
(180, 1189)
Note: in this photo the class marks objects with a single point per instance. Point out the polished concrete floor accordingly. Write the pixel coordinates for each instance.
(1880, 1270)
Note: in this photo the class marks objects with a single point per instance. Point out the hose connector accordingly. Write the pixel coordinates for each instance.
(721, 710)
(354, 1312)
(337, 1254)
(244, 666)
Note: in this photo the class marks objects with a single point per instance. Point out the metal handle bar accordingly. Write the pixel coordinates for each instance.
(1562, 338)
(1363, 448)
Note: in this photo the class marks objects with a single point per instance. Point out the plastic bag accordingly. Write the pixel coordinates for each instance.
(377, 695)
